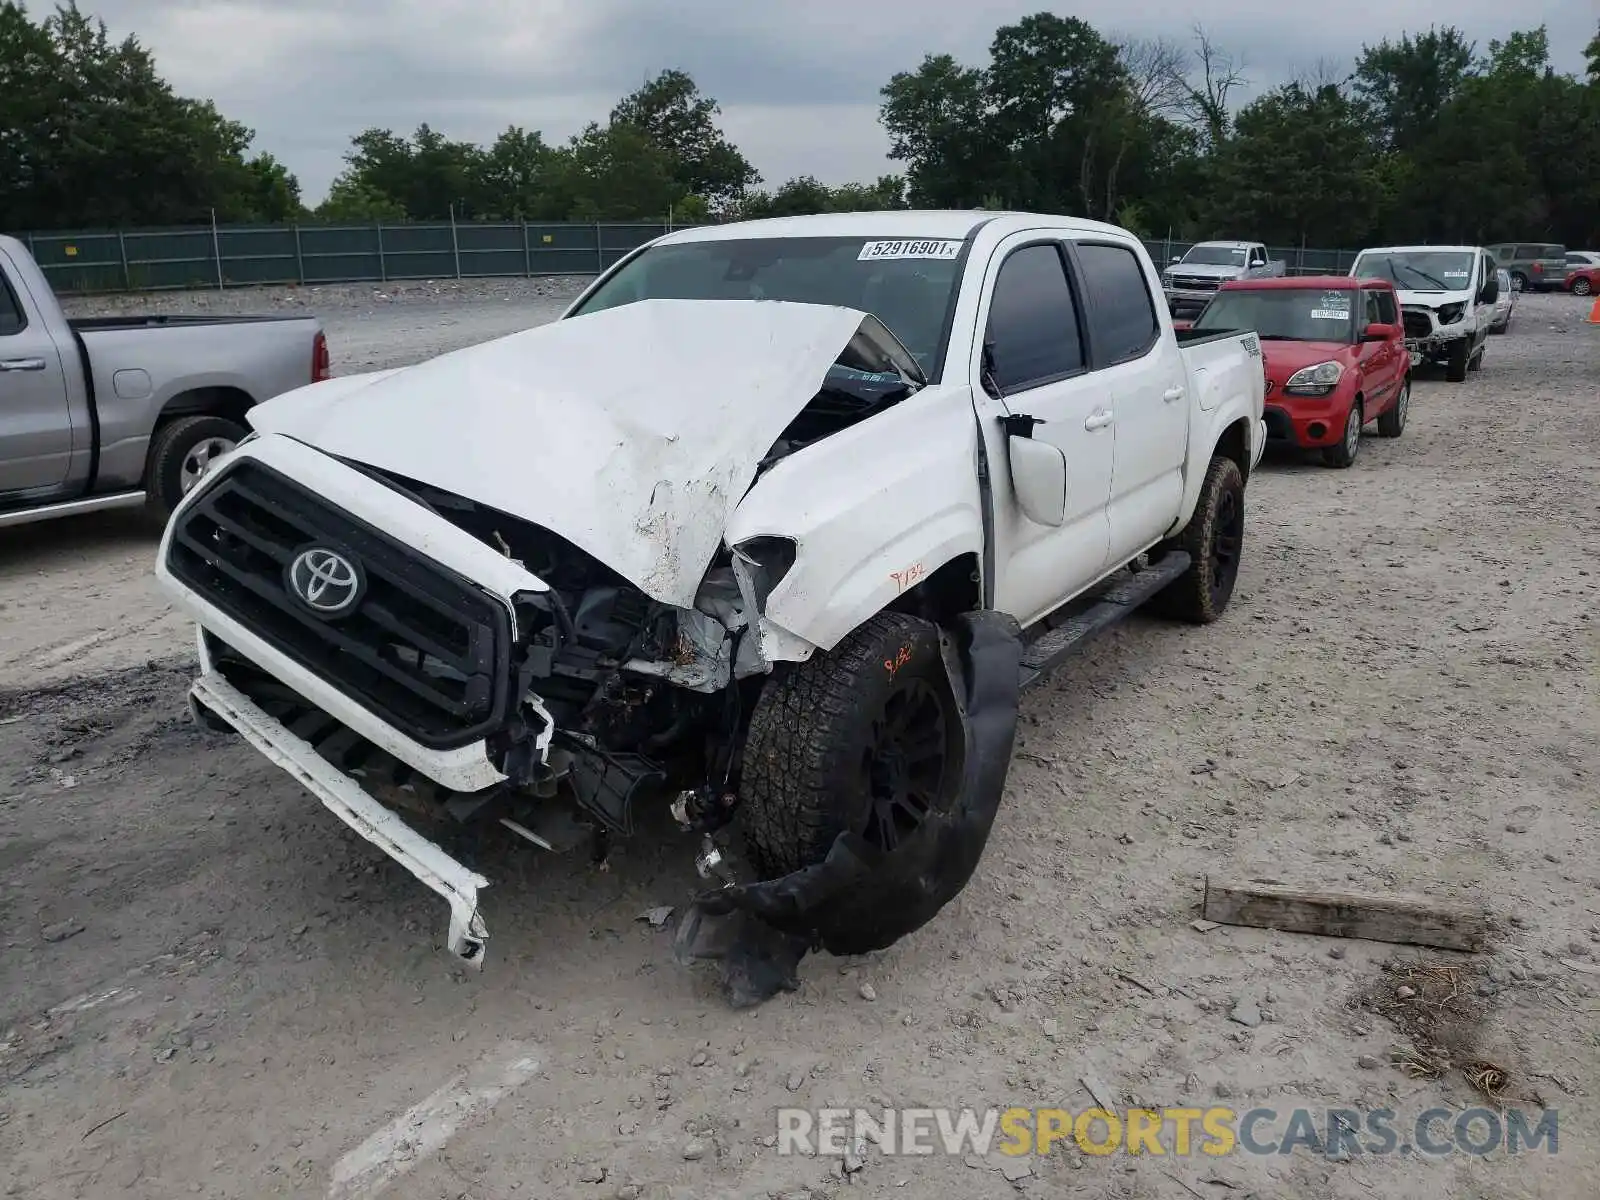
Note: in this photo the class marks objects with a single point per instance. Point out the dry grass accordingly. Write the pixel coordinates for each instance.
(1437, 1007)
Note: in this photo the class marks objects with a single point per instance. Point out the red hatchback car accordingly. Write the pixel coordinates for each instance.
(1335, 357)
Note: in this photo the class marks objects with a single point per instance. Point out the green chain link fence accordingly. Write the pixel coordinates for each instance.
(237, 256)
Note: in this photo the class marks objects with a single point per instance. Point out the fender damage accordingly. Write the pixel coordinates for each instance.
(602, 459)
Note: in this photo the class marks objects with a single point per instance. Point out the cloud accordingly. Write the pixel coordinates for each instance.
(798, 83)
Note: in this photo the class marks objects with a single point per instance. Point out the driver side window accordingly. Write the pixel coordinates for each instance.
(1386, 308)
(11, 319)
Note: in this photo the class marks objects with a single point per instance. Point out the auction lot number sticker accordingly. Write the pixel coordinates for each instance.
(940, 250)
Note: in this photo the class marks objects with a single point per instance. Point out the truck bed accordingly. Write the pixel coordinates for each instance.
(1188, 338)
(159, 320)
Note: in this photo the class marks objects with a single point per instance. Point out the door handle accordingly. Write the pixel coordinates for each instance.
(1171, 394)
(21, 364)
(1098, 420)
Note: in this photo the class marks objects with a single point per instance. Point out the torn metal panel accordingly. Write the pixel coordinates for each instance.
(345, 798)
(861, 898)
(702, 658)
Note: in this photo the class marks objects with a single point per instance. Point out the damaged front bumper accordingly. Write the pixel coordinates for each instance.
(467, 935)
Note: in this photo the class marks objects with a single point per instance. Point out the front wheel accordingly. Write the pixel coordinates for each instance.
(180, 453)
(1344, 454)
(1214, 541)
(1393, 422)
(1455, 367)
(866, 738)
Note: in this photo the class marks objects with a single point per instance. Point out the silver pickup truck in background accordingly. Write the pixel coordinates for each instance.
(118, 412)
(1190, 281)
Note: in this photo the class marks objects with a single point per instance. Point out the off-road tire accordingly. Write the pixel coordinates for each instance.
(1201, 594)
(804, 775)
(1455, 366)
(171, 446)
(1392, 423)
(1345, 453)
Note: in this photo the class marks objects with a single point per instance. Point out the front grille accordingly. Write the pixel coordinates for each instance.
(1196, 283)
(424, 649)
(1418, 325)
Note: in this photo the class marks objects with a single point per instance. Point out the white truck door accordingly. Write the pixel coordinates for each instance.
(1144, 373)
(1032, 337)
(35, 423)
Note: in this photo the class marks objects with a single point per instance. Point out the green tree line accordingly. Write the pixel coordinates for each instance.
(1427, 138)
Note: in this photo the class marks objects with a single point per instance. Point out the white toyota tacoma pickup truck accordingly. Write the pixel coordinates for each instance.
(693, 545)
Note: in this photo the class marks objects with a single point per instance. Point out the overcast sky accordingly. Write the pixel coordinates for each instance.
(798, 81)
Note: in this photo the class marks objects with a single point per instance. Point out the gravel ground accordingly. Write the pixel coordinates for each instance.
(207, 985)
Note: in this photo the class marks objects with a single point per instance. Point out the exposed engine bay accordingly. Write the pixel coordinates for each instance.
(647, 699)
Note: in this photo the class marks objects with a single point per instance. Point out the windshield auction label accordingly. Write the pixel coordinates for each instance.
(941, 250)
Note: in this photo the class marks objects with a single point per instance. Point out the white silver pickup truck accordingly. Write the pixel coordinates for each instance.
(696, 544)
(1192, 279)
(117, 412)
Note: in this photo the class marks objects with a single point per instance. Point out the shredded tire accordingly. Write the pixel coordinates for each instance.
(1199, 596)
(801, 781)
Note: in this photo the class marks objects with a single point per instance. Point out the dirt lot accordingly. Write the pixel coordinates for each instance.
(208, 986)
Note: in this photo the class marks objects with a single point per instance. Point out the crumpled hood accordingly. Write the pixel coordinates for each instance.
(632, 432)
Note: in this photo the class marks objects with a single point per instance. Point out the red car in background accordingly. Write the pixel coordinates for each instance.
(1335, 357)
(1585, 281)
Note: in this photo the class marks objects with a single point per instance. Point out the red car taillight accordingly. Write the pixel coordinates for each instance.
(321, 362)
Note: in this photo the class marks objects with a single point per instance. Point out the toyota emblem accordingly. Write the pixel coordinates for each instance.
(325, 581)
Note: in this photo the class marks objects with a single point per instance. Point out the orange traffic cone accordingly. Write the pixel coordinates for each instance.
(1594, 313)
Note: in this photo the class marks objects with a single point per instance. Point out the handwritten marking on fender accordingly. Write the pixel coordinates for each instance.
(908, 577)
(901, 658)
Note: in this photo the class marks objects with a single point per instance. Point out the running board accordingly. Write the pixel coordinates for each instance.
(1046, 653)
(71, 508)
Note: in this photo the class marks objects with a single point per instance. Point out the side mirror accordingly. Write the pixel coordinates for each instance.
(1039, 478)
(1177, 258)
(1490, 292)
(1379, 333)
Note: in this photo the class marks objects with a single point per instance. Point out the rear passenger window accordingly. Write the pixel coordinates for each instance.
(1033, 321)
(11, 319)
(1122, 319)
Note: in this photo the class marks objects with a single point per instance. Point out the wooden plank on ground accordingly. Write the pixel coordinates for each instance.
(1412, 920)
